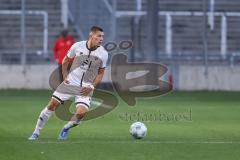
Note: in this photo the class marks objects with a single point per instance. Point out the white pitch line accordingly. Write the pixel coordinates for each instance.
(130, 142)
(147, 142)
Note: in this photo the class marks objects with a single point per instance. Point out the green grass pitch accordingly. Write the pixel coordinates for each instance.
(181, 126)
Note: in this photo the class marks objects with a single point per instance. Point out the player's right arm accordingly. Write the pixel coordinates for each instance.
(67, 61)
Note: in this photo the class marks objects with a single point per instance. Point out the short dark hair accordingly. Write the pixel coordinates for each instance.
(96, 28)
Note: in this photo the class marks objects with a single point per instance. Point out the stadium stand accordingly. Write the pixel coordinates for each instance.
(186, 30)
(10, 31)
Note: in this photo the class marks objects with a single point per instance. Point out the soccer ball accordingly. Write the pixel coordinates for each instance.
(138, 130)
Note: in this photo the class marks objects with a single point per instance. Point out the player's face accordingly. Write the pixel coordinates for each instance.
(97, 38)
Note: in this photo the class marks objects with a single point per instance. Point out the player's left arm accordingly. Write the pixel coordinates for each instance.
(101, 69)
(99, 77)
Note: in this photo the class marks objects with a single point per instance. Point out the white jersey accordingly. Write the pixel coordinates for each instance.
(86, 63)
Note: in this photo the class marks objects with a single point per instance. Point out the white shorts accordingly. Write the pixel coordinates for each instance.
(79, 100)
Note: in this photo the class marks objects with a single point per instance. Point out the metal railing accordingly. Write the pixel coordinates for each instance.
(223, 42)
(45, 24)
(169, 15)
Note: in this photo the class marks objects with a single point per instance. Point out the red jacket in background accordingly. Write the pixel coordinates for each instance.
(61, 47)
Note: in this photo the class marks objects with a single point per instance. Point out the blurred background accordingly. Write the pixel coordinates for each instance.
(198, 40)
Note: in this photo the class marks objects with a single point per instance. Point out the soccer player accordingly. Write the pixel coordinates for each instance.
(86, 72)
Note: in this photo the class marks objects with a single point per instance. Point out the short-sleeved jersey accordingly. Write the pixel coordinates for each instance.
(86, 63)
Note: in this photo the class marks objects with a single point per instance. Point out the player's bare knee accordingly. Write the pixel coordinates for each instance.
(80, 115)
(53, 104)
(81, 112)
